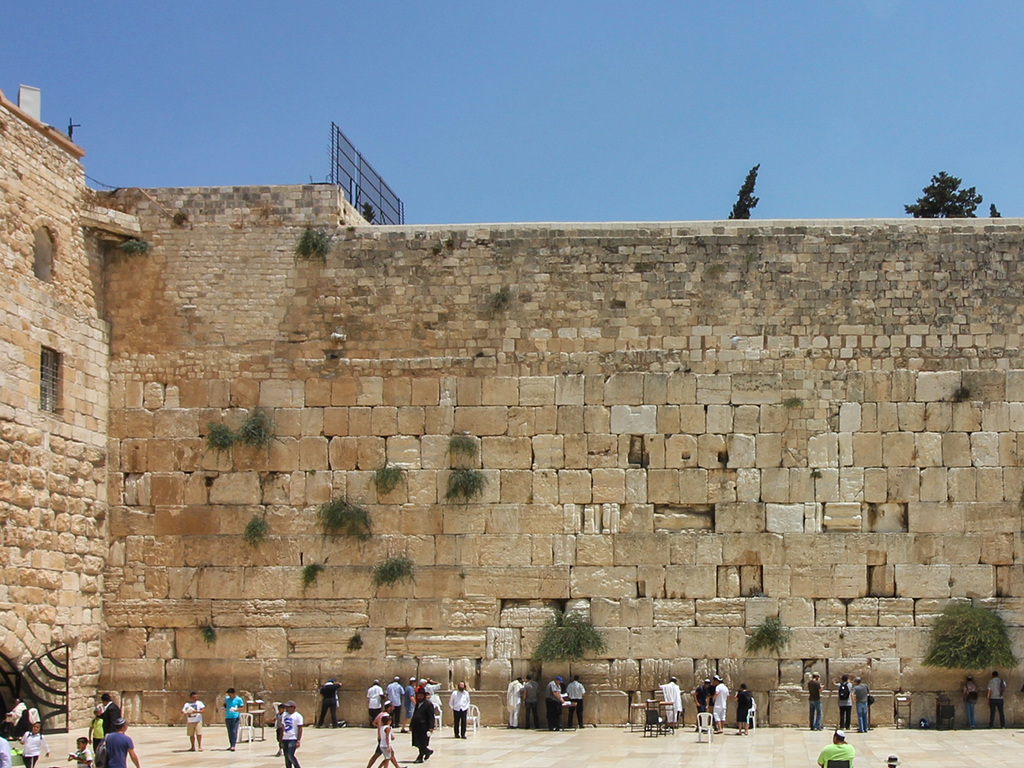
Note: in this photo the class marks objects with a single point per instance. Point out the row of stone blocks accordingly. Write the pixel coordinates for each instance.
(627, 389)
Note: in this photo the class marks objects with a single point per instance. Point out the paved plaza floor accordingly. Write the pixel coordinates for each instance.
(606, 746)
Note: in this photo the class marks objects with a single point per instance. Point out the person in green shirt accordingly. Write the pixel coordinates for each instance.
(837, 750)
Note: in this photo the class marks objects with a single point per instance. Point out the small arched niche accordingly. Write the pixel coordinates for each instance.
(43, 249)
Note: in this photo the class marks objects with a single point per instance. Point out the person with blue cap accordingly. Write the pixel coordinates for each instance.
(554, 700)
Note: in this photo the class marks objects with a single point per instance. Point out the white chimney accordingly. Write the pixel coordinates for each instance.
(30, 101)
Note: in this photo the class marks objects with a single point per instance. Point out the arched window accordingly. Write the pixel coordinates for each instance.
(43, 250)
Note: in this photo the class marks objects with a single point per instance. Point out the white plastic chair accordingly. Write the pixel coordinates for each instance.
(704, 726)
(752, 714)
(473, 717)
(437, 712)
(246, 732)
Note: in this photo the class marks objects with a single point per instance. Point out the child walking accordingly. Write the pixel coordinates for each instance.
(385, 739)
(35, 744)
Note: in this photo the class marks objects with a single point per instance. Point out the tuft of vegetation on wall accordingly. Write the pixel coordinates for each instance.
(355, 643)
(255, 531)
(220, 437)
(386, 479)
(338, 517)
(967, 636)
(257, 430)
(313, 244)
(770, 635)
(209, 634)
(464, 485)
(310, 574)
(134, 247)
(568, 636)
(394, 570)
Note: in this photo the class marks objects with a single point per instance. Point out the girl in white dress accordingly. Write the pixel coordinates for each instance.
(35, 744)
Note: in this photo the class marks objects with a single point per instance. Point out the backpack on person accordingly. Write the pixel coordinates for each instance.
(844, 691)
(1002, 686)
(99, 760)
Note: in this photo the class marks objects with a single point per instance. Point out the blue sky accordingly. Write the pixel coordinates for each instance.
(544, 111)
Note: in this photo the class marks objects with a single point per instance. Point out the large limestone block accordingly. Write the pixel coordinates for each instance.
(935, 517)
(611, 582)
(784, 518)
(537, 390)
(714, 388)
(740, 517)
(574, 486)
(569, 390)
(654, 642)
(235, 488)
(452, 644)
(993, 516)
(609, 486)
(843, 516)
(936, 386)
(985, 449)
(711, 642)
(923, 580)
(691, 581)
(503, 643)
(522, 583)
(634, 419)
(641, 549)
(956, 449)
(674, 613)
(756, 388)
(499, 390)
(507, 452)
(974, 581)
(871, 642)
(481, 420)
(719, 419)
(742, 450)
(898, 449)
(624, 389)
(721, 612)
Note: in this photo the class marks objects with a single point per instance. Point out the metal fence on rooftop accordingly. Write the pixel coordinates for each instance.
(366, 190)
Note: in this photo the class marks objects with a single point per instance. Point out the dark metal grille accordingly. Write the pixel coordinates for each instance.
(42, 684)
(365, 189)
(49, 380)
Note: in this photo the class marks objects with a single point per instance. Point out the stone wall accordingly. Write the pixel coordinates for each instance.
(685, 428)
(52, 464)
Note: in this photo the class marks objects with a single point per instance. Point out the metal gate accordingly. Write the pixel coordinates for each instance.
(42, 683)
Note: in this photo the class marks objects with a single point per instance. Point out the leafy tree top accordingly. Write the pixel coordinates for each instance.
(969, 637)
(746, 201)
(943, 199)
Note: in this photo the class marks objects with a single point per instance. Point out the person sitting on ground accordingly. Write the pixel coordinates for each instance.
(837, 750)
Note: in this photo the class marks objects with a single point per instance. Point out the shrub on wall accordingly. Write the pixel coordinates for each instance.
(220, 437)
(386, 479)
(568, 636)
(310, 574)
(340, 518)
(966, 636)
(257, 430)
(394, 570)
(209, 634)
(313, 244)
(134, 247)
(770, 635)
(355, 643)
(464, 485)
(255, 531)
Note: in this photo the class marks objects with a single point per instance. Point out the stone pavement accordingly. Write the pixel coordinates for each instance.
(764, 748)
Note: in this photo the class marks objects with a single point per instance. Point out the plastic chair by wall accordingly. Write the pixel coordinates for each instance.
(704, 726)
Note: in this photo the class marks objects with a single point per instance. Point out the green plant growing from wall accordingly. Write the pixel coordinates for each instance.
(220, 437)
(770, 635)
(464, 485)
(257, 430)
(462, 448)
(134, 247)
(568, 636)
(310, 574)
(338, 517)
(793, 402)
(500, 300)
(313, 244)
(394, 570)
(209, 634)
(966, 636)
(386, 479)
(255, 531)
(355, 643)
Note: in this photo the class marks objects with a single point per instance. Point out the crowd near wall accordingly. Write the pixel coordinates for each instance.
(684, 429)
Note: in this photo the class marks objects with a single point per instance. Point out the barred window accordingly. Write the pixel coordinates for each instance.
(49, 380)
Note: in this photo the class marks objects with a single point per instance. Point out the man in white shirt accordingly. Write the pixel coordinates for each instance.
(375, 700)
(5, 753)
(721, 702)
(513, 697)
(671, 694)
(459, 703)
(291, 734)
(193, 711)
(575, 691)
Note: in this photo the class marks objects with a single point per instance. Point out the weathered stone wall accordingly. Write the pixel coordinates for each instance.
(684, 428)
(52, 465)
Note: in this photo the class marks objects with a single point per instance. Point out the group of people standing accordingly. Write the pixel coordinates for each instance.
(558, 697)
(713, 693)
(995, 690)
(848, 696)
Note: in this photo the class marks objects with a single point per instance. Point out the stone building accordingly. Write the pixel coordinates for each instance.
(683, 429)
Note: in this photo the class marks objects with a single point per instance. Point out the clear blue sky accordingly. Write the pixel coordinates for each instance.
(544, 111)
